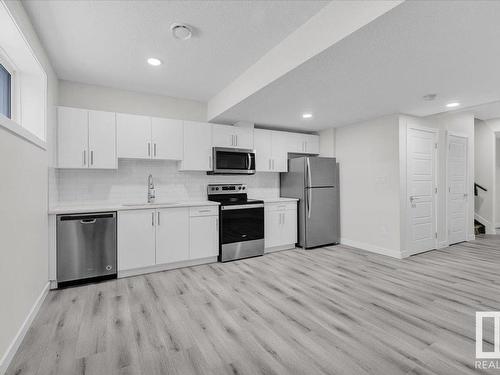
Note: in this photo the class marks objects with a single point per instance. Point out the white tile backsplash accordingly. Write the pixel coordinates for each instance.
(129, 183)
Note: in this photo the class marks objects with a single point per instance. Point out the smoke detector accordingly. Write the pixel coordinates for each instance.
(181, 31)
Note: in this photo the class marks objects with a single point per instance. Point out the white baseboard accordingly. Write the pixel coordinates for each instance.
(273, 249)
(16, 342)
(443, 244)
(165, 267)
(371, 248)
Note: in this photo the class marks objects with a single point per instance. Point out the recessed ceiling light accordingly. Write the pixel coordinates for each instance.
(453, 105)
(154, 61)
(307, 115)
(180, 31)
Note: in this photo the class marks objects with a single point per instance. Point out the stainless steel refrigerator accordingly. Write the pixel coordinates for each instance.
(314, 181)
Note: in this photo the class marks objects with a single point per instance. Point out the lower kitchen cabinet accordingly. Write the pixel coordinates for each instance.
(156, 237)
(136, 239)
(172, 235)
(203, 234)
(280, 231)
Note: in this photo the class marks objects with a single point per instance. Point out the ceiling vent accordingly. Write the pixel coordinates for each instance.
(180, 31)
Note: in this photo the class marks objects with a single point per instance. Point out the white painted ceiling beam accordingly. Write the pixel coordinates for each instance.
(332, 24)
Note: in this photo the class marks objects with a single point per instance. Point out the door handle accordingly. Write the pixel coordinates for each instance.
(153, 219)
(309, 173)
(84, 158)
(149, 149)
(309, 211)
(91, 157)
(158, 220)
(154, 149)
(88, 221)
(236, 136)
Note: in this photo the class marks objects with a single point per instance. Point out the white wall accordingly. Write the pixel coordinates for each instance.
(368, 156)
(497, 185)
(484, 168)
(73, 94)
(23, 212)
(128, 183)
(327, 143)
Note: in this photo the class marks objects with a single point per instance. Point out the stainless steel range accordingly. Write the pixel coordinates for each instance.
(241, 228)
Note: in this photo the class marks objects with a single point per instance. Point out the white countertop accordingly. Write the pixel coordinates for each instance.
(279, 200)
(95, 207)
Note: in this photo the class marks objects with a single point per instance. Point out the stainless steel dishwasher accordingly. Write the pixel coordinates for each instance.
(86, 248)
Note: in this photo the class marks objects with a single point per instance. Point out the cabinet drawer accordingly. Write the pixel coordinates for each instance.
(285, 206)
(204, 211)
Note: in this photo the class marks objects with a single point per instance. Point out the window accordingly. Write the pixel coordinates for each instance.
(5, 92)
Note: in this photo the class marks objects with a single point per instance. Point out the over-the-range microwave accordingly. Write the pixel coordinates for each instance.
(233, 161)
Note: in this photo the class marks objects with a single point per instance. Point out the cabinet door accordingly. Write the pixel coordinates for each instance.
(289, 227)
(311, 144)
(223, 136)
(133, 136)
(279, 151)
(197, 154)
(102, 140)
(136, 239)
(167, 138)
(172, 235)
(72, 137)
(272, 228)
(263, 150)
(244, 137)
(203, 237)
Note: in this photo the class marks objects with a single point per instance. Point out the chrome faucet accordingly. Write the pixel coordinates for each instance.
(151, 189)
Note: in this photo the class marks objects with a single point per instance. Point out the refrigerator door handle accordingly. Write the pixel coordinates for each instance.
(309, 203)
(308, 173)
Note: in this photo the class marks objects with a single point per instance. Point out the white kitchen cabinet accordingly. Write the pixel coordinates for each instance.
(136, 239)
(172, 235)
(133, 136)
(232, 136)
(102, 140)
(263, 150)
(197, 153)
(86, 139)
(203, 234)
(166, 138)
(279, 152)
(271, 153)
(72, 137)
(280, 229)
(298, 143)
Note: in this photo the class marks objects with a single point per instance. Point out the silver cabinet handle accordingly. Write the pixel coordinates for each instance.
(283, 218)
(200, 211)
(153, 219)
(269, 164)
(84, 158)
(210, 162)
(149, 149)
(273, 164)
(236, 136)
(158, 218)
(91, 157)
(154, 146)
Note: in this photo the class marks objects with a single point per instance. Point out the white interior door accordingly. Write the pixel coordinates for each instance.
(457, 196)
(421, 189)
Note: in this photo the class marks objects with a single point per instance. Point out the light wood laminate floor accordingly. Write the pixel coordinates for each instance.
(334, 310)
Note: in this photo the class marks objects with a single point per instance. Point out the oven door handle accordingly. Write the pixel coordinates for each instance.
(242, 206)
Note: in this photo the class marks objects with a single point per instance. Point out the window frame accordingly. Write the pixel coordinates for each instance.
(15, 92)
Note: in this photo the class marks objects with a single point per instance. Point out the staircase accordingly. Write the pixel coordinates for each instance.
(479, 228)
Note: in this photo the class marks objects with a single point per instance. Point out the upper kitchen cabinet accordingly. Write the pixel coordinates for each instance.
(270, 151)
(133, 136)
(232, 136)
(197, 153)
(142, 137)
(167, 138)
(86, 139)
(298, 143)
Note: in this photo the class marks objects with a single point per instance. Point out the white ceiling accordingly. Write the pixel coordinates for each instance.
(107, 42)
(449, 48)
